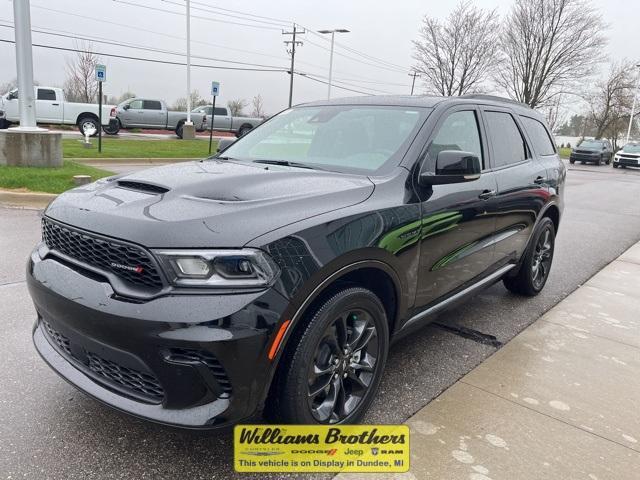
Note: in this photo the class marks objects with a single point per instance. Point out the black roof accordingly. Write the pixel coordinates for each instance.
(428, 101)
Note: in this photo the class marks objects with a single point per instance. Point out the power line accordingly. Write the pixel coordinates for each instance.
(153, 60)
(279, 24)
(139, 47)
(140, 29)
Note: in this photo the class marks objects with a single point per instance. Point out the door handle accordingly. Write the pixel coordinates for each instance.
(55, 104)
(540, 180)
(487, 194)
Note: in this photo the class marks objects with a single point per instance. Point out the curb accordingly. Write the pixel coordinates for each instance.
(35, 200)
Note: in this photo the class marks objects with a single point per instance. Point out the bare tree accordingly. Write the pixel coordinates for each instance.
(196, 101)
(610, 102)
(554, 113)
(80, 85)
(457, 56)
(548, 46)
(236, 107)
(258, 107)
(7, 86)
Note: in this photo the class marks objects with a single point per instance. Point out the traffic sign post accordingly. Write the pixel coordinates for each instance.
(215, 91)
(101, 76)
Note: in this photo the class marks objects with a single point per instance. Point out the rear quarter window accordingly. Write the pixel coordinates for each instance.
(539, 135)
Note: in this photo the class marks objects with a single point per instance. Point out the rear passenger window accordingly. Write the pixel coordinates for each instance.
(459, 132)
(539, 135)
(221, 111)
(46, 94)
(152, 105)
(506, 140)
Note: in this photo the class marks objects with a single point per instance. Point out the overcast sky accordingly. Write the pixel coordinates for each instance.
(379, 29)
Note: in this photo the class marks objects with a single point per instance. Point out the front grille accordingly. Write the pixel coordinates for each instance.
(128, 262)
(139, 383)
(188, 355)
(129, 378)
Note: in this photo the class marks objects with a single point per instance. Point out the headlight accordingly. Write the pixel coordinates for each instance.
(243, 268)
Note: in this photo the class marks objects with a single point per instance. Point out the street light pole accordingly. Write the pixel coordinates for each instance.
(24, 65)
(188, 63)
(633, 108)
(333, 33)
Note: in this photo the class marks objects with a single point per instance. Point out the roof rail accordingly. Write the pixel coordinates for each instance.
(495, 98)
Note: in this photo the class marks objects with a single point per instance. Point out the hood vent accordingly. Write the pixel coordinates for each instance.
(142, 187)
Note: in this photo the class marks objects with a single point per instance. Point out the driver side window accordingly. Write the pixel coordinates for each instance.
(136, 104)
(458, 132)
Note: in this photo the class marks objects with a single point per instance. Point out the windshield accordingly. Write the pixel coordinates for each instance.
(591, 144)
(344, 138)
(631, 148)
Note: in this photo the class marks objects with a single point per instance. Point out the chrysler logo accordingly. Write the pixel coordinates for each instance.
(120, 266)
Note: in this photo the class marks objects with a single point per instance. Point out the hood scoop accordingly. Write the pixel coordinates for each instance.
(143, 187)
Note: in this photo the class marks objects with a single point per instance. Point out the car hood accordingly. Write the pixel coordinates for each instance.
(205, 203)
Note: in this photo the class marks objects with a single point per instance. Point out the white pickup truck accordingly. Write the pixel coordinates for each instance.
(52, 109)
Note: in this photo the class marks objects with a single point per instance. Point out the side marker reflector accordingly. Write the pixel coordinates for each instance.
(276, 341)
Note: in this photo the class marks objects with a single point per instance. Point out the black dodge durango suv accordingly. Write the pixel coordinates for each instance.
(272, 277)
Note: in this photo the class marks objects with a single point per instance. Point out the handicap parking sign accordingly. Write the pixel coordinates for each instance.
(101, 73)
(215, 88)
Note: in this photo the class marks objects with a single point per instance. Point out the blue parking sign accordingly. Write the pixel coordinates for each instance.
(215, 88)
(101, 73)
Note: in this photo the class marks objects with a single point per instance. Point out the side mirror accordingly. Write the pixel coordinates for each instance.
(453, 166)
(126, 107)
(225, 143)
(13, 96)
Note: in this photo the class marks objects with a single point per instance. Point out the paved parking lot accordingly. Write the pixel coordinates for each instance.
(49, 430)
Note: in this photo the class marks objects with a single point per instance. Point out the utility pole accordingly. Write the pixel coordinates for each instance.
(633, 108)
(293, 42)
(24, 61)
(413, 82)
(333, 34)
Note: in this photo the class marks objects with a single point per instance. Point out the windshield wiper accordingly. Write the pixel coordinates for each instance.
(287, 163)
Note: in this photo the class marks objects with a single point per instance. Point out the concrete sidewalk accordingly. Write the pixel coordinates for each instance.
(559, 401)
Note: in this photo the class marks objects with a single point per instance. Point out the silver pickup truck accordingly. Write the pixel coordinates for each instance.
(223, 122)
(151, 114)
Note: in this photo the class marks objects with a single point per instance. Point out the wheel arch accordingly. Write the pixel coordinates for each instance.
(85, 115)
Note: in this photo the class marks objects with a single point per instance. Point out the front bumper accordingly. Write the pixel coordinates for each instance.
(584, 157)
(627, 162)
(194, 361)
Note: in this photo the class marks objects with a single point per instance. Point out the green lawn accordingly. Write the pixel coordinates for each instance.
(121, 148)
(50, 180)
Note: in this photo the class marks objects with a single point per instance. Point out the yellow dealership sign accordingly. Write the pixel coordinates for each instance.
(327, 448)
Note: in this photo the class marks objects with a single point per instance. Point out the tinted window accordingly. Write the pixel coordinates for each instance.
(221, 111)
(46, 94)
(506, 140)
(152, 105)
(136, 104)
(539, 135)
(459, 132)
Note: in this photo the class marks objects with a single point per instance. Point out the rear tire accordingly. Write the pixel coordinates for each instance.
(244, 130)
(179, 129)
(333, 363)
(4, 124)
(599, 161)
(87, 122)
(536, 262)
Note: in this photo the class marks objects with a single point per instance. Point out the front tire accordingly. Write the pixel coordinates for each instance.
(599, 161)
(536, 263)
(113, 128)
(333, 366)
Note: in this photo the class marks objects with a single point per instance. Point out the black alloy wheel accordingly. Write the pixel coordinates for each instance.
(343, 366)
(333, 365)
(534, 269)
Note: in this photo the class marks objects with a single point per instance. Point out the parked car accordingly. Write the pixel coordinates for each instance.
(628, 156)
(53, 109)
(151, 114)
(595, 151)
(224, 122)
(278, 273)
